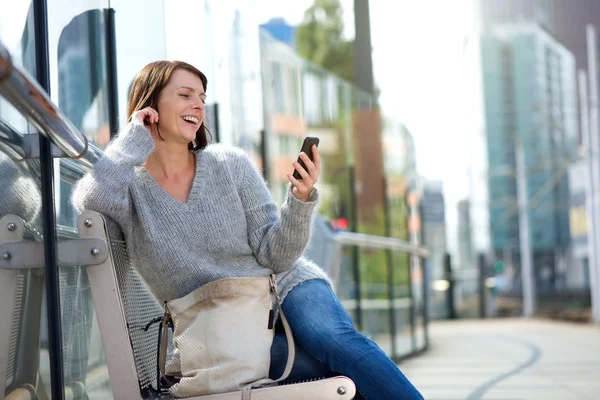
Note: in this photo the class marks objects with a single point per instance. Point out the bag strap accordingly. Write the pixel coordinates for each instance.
(164, 338)
(288, 333)
(247, 390)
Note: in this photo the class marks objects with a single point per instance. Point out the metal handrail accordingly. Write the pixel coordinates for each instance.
(380, 242)
(24, 93)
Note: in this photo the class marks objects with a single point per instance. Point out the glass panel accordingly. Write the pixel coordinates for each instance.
(78, 70)
(21, 196)
(346, 284)
(82, 87)
(402, 303)
(245, 111)
(375, 304)
(132, 55)
(368, 168)
(301, 100)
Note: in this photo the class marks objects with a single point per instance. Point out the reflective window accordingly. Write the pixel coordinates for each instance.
(21, 290)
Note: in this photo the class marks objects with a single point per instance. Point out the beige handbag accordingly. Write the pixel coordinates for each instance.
(222, 335)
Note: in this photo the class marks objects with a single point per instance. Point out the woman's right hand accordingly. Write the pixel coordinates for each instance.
(147, 117)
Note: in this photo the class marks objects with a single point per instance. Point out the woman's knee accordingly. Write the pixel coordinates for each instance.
(313, 301)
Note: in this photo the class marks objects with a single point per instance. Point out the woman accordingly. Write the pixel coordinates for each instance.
(194, 213)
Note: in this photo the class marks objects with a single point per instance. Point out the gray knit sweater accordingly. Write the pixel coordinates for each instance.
(228, 227)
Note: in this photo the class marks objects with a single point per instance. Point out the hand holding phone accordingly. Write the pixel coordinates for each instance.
(304, 177)
(307, 145)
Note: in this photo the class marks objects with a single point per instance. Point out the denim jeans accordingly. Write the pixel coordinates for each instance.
(327, 344)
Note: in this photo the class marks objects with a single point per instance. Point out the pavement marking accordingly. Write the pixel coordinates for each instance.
(536, 354)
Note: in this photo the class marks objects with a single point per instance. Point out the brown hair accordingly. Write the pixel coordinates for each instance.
(148, 84)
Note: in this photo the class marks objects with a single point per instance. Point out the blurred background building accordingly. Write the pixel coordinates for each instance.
(279, 29)
(530, 101)
(529, 55)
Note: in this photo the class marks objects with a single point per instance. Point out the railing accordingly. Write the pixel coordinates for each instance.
(24, 93)
(392, 310)
(382, 243)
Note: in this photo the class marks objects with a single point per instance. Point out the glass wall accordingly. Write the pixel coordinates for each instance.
(78, 47)
(21, 195)
(261, 97)
(368, 169)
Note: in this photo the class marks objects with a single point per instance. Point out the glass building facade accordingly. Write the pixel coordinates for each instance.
(530, 100)
(262, 97)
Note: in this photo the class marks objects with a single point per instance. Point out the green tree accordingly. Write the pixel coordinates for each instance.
(319, 39)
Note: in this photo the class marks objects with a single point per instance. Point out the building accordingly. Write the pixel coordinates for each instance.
(564, 19)
(281, 30)
(433, 225)
(541, 12)
(433, 217)
(529, 85)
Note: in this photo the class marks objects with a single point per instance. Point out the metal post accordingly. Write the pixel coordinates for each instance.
(111, 69)
(417, 264)
(40, 13)
(412, 318)
(424, 286)
(216, 128)
(355, 249)
(264, 154)
(390, 264)
(363, 61)
(450, 292)
(481, 284)
(527, 273)
(594, 145)
(589, 190)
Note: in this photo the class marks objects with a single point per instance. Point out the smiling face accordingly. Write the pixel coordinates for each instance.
(176, 90)
(181, 107)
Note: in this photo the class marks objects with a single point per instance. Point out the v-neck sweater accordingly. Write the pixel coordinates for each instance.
(228, 227)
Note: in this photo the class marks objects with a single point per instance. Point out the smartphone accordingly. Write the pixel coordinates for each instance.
(307, 149)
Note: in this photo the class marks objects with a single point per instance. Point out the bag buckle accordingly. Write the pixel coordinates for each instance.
(273, 286)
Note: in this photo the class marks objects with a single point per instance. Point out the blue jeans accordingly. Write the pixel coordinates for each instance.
(327, 344)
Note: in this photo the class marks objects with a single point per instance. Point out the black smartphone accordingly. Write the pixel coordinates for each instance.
(307, 149)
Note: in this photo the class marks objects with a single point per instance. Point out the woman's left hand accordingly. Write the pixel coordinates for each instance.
(310, 175)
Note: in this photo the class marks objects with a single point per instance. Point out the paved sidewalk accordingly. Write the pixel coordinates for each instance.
(508, 359)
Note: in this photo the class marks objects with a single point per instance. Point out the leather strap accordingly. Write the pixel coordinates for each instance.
(162, 353)
(288, 333)
(291, 347)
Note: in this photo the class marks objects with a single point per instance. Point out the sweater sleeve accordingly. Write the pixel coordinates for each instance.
(106, 189)
(277, 240)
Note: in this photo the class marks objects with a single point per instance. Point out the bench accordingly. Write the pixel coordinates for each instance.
(124, 307)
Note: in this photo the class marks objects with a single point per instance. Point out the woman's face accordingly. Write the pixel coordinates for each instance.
(181, 107)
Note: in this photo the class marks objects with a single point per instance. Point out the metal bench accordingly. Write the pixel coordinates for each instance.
(124, 307)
